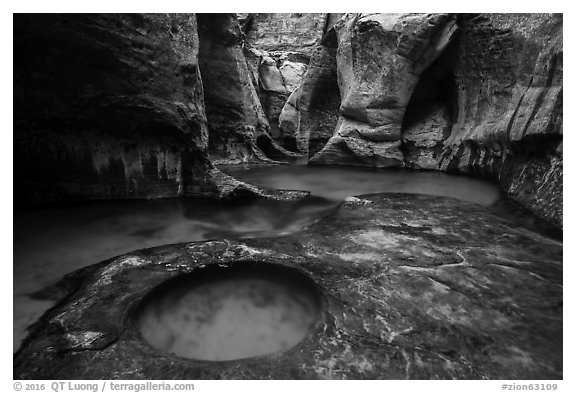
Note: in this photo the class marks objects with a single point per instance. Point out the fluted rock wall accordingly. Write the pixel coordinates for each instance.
(235, 115)
(113, 106)
(508, 69)
(308, 118)
(380, 58)
(278, 48)
(477, 94)
(109, 106)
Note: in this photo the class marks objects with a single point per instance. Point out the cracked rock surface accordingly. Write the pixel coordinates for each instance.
(415, 287)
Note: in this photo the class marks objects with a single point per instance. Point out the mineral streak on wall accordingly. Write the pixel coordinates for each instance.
(113, 106)
(475, 93)
(107, 106)
(509, 123)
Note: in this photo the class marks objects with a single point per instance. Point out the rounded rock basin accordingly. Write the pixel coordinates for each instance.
(230, 312)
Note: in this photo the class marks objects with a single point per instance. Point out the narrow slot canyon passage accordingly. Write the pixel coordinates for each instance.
(288, 196)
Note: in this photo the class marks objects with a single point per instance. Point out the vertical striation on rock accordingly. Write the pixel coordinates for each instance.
(508, 69)
(234, 113)
(309, 116)
(237, 124)
(380, 58)
(278, 48)
(108, 106)
(130, 106)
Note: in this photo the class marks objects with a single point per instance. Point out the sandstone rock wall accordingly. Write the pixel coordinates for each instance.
(295, 32)
(276, 75)
(309, 116)
(508, 70)
(476, 94)
(112, 106)
(235, 115)
(109, 106)
(380, 58)
(426, 126)
(278, 48)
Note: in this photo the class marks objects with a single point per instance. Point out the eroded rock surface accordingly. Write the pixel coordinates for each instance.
(411, 290)
(426, 127)
(493, 80)
(107, 106)
(234, 112)
(380, 58)
(309, 116)
(294, 32)
(509, 124)
(110, 106)
(282, 45)
(279, 74)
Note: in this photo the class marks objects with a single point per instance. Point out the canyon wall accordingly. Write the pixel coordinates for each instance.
(115, 106)
(234, 113)
(474, 94)
(308, 118)
(110, 106)
(508, 127)
(279, 47)
(98, 112)
(379, 59)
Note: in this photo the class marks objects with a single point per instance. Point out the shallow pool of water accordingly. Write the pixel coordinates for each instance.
(53, 241)
(336, 183)
(230, 312)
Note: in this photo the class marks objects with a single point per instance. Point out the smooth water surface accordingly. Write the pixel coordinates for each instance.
(338, 183)
(226, 316)
(53, 241)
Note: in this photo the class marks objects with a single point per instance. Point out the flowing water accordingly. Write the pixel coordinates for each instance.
(52, 241)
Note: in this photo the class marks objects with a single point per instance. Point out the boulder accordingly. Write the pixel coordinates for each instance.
(271, 79)
(292, 73)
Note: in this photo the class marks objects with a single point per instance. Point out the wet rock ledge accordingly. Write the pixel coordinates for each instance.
(414, 286)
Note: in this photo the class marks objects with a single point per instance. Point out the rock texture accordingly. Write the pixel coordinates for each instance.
(380, 58)
(477, 94)
(425, 128)
(109, 106)
(411, 291)
(280, 46)
(238, 127)
(295, 32)
(235, 116)
(278, 74)
(309, 116)
(509, 125)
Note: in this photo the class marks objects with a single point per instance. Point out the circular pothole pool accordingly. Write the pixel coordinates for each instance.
(230, 312)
